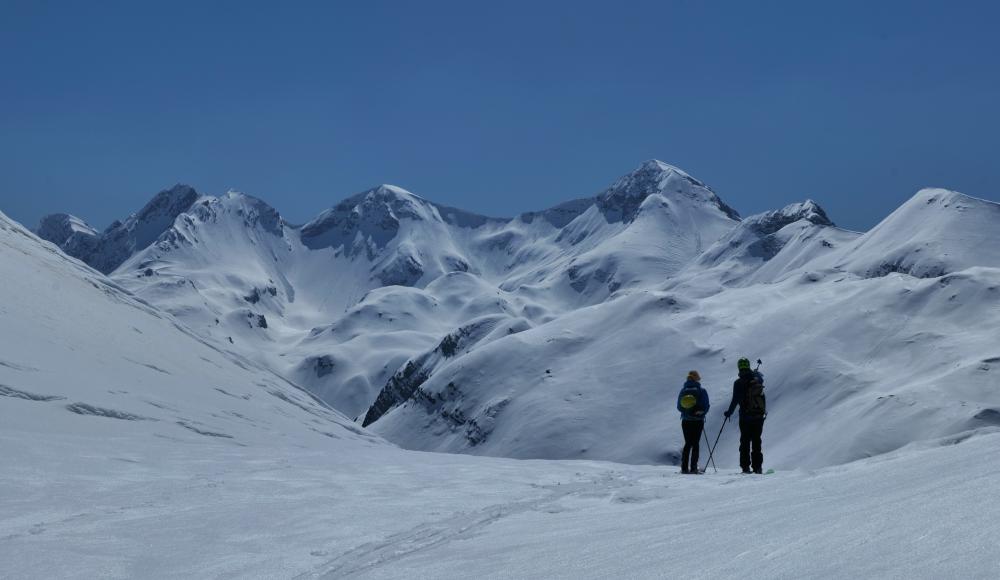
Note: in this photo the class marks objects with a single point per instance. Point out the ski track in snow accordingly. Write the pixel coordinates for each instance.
(462, 525)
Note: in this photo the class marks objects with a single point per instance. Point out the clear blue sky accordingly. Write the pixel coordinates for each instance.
(496, 107)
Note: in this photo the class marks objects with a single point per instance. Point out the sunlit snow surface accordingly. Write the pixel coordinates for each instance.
(140, 447)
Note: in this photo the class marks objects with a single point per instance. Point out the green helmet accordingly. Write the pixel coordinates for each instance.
(743, 363)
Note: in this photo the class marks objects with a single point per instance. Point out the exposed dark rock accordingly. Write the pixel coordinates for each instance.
(765, 248)
(900, 267)
(987, 417)
(403, 271)
(401, 387)
(323, 365)
(6, 391)
(204, 432)
(85, 409)
(771, 222)
(449, 345)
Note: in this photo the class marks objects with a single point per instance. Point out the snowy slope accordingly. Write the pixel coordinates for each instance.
(912, 514)
(81, 358)
(856, 367)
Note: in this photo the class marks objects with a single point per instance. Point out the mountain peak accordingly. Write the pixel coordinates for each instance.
(389, 190)
(107, 250)
(810, 210)
(772, 221)
(656, 166)
(622, 200)
(375, 214)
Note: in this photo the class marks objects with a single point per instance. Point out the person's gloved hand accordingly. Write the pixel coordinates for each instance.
(728, 414)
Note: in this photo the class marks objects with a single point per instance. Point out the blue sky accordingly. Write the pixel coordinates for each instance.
(497, 107)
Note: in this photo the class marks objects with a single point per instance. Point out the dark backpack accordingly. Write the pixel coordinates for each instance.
(754, 402)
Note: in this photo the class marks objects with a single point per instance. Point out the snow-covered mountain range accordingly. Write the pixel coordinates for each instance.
(565, 333)
(140, 441)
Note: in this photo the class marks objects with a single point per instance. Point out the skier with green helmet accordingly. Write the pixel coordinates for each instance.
(748, 393)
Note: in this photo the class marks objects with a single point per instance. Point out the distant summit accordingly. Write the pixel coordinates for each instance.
(772, 221)
(621, 201)
(58, 228)
(111, 248)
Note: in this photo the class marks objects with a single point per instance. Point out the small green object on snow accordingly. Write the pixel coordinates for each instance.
(769, 472)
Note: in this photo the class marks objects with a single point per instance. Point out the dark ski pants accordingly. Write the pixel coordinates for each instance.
(750, 433)
(692, 439)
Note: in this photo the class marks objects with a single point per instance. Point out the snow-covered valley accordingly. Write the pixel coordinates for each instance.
(244, 397)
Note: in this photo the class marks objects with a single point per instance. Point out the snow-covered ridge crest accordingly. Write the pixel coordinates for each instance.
(365, 223)
(936, 232)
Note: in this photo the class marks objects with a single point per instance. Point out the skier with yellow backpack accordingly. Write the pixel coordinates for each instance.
(692, 402)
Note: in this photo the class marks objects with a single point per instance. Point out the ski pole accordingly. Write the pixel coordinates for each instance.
(709, 445)
(712, 452)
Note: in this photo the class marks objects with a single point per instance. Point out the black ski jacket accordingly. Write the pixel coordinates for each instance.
(740, 387)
